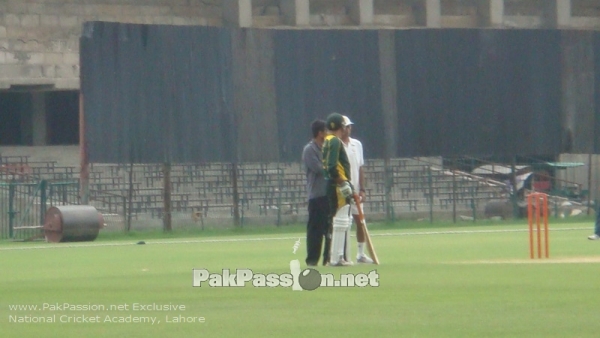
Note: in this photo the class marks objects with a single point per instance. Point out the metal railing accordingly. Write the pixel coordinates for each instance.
(134, 196)
(23, 205)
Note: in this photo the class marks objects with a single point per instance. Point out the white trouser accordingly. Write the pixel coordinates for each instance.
(354, 208)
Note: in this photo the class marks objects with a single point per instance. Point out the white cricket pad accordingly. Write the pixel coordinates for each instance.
(341, 224)
(347, 244)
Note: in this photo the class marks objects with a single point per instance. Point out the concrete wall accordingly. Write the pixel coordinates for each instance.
(39, 39)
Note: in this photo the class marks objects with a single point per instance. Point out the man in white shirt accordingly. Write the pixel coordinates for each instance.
(354, 149)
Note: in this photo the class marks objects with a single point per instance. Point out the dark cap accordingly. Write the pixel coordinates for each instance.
(335, 121)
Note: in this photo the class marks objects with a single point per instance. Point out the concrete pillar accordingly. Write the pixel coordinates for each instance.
(237, 13)
(577, 58)
(491, 13)
(433, 13)
(25, 112)
(557, 13)
(38, 118)
(563, 13)
(389, 106)
(428, 13)
(361, 11)
(296, 12)
(254, 101)
(389, 89)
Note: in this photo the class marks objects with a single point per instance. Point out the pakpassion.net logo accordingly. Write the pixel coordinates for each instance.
(308, 279)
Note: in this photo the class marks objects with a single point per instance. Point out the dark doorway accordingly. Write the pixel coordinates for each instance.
(39, 118)
(10, 118)
(62, 111)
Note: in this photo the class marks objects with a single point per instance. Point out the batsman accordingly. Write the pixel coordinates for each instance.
(339, 189)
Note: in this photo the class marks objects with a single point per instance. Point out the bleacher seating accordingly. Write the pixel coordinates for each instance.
(408, 185)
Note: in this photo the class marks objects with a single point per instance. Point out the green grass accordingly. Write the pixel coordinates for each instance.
(436, 280)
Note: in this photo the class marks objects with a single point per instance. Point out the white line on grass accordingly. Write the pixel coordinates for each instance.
(183, 241)
(255, 239)
(562, 260)
(462, 232)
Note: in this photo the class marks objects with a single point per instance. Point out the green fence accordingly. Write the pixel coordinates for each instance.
(23, 205)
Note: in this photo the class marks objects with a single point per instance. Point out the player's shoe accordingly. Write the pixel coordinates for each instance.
(593, 237)
(343, 262)
(364, 259)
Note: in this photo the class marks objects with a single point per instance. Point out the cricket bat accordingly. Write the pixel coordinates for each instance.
(363, 224)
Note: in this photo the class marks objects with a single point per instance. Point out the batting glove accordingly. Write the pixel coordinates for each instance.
(346, 189)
